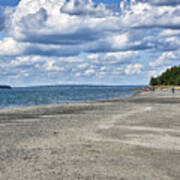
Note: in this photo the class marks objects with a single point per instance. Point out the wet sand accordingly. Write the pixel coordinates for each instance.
(136, 138)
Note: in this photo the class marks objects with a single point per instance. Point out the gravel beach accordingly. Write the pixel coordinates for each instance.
(136, 138)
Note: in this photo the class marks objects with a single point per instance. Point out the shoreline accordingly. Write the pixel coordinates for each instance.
(65, 103)
(132, 138)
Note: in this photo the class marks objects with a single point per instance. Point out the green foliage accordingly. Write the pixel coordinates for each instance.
(169, 77)
(154, 81)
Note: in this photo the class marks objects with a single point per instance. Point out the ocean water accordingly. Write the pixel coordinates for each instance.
(45, 95)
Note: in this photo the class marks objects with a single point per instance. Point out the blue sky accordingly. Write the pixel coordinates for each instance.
(87, 42)
(9, 2)
(15, 2)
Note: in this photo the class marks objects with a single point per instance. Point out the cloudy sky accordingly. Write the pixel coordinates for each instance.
(87, 41)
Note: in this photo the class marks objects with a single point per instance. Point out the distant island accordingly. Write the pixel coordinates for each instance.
(5, 87)
(170, 77)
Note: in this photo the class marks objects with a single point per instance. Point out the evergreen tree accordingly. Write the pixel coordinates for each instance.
(169, 77)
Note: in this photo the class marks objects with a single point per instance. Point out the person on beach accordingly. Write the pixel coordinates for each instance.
(173, 90)
(153, 89)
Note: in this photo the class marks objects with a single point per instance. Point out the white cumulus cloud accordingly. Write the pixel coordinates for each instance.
(134, 69)
(84, 38)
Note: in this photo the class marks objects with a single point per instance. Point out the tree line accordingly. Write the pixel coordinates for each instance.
(170, 77)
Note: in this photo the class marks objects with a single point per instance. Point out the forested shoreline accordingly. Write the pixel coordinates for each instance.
(170, 77)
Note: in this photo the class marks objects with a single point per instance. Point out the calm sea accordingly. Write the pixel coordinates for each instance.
(44, 95)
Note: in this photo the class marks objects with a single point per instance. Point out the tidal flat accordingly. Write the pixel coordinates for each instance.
(136, 138)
